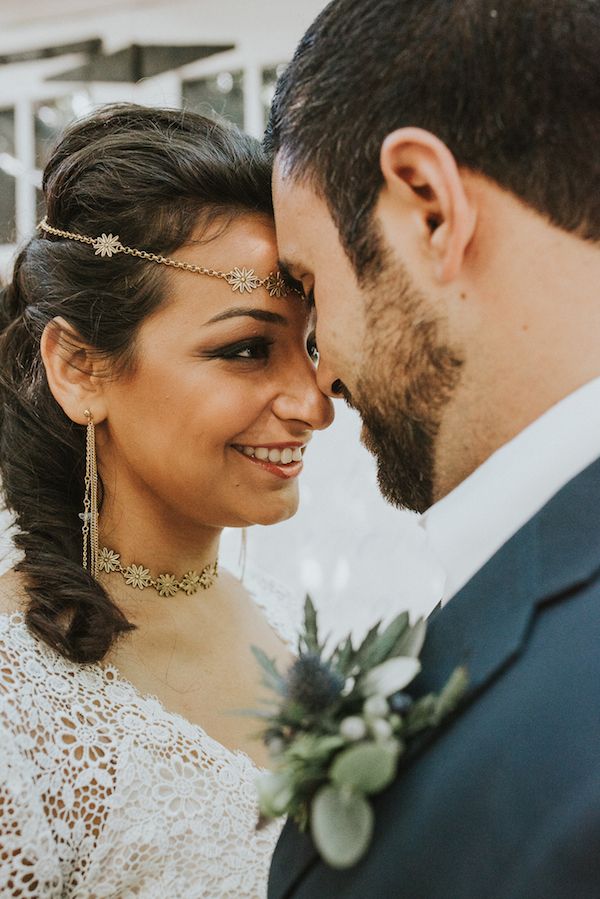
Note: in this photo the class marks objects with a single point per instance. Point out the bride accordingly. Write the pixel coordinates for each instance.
(157, 385)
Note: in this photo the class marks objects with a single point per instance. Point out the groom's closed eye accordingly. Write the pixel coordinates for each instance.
(310, 298)
(289, 279)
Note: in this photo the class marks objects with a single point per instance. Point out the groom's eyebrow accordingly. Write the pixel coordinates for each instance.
(284, 268)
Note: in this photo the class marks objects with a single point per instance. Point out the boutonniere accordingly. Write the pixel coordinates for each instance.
(339, 727)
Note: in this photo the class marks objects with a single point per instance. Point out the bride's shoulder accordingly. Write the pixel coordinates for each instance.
(20, 650)
(13, 597)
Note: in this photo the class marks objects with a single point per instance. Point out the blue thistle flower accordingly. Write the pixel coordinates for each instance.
(312, 684)
(400, 702)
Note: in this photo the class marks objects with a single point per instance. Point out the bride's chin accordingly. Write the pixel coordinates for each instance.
(277, 512)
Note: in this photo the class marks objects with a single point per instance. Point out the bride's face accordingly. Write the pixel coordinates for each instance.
(221, 379)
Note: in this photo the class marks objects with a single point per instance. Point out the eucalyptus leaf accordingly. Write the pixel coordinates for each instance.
(422, 714)
(452, 692)
(311, 628)
(411, 641)
(343, 658)
(367, 767)
(387, 640)
(341, 826)
(271, 676)
(312, 747)
(362, 653)
(274, 793)
(391, 676)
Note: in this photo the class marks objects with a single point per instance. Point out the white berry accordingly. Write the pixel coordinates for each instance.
(353, 728)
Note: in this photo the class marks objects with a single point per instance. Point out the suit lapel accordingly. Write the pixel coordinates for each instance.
(486, 624)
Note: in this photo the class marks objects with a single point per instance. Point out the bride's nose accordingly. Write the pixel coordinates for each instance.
(299, 398)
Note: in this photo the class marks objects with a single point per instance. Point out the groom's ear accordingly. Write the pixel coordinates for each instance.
(424, 192)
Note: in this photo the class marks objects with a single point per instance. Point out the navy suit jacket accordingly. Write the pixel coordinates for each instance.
(502, 801)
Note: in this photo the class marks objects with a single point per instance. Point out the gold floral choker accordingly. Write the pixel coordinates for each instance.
(165, 584)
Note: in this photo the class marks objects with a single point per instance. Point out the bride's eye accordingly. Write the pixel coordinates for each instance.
(258, 348)
(313, 350)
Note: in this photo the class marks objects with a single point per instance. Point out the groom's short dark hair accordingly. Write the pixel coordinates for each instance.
(511, 86)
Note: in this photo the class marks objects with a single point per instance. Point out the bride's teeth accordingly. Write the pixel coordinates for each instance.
(276, 456)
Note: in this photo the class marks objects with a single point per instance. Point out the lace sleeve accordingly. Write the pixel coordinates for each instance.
(28, 863)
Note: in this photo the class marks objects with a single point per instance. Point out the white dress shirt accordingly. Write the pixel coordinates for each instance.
(469, 525)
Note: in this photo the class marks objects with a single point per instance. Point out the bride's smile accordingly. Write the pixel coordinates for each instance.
(281, 459)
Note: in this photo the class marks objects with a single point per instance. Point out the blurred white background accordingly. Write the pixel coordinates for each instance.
(357, 557)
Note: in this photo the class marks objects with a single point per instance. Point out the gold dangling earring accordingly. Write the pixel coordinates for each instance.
(243, 553)
(90, 501)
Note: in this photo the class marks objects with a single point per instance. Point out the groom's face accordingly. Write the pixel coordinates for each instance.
(380, 339)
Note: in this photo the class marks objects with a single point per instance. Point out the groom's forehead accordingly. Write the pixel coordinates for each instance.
(302, 218)
(289, 192)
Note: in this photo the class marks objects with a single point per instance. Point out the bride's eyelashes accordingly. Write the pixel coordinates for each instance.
(257, 348)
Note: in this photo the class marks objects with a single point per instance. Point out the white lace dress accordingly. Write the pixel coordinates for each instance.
(104, 793)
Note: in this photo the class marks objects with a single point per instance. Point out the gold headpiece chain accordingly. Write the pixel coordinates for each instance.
(244, 280)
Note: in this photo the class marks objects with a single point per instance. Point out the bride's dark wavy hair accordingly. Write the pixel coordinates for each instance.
(150, 176)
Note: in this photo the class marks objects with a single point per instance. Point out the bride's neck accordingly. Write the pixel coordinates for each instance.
(157, 539)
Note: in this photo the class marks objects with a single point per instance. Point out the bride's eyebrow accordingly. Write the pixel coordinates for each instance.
(260, 315)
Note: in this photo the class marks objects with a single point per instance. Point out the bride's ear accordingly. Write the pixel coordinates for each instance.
(425, 193)
(73, 372)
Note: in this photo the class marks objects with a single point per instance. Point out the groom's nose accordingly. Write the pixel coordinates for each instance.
(328, 381)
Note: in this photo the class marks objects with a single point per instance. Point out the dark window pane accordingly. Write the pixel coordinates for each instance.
(270, 77)
(8, 171)
(40, 204)
(221, 95)
(52, 117)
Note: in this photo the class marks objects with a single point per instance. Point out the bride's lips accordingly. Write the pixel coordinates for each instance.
(285, 471)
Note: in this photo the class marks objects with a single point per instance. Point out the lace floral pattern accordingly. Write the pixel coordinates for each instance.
(104, 793)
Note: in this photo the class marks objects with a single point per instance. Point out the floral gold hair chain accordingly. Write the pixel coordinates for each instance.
(244, 280)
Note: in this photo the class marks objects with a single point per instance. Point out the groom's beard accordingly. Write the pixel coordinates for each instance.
(408, 377)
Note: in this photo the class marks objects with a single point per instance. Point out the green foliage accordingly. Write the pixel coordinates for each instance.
(314, 748)
(309, 641)
(323, 774)
(410, 643)
(343, 657)
(422, 714)
(271, 676)
(367, 767)
(384, 646)
(452, 692)
(430, 710)
(341, 826)
(361, 658)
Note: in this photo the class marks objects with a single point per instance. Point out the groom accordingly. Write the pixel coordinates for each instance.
(437, 195)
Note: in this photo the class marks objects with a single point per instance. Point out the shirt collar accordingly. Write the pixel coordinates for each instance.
(470, 524)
